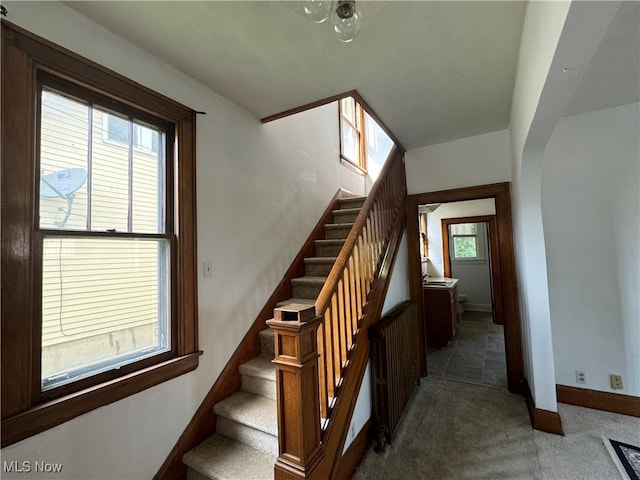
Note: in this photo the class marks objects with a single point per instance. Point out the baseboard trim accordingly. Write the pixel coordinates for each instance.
(609, 402)
(543, 420)
(354, 454)
(477, 307)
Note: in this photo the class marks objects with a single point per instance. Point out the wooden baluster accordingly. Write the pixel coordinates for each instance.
(335, 326)
(296, 360)
(348, 315)
(328, 358)
(358, 279)
(322, 371)
(367, 257)
(341, 324)
(353, 294)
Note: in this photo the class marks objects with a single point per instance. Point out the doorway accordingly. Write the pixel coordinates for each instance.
(484, 241)
(505, 291)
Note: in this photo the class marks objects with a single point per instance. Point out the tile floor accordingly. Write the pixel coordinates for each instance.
(475, 355)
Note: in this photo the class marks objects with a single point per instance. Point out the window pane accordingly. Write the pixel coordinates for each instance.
(110, 173)
(147, 179)
(64, 140)
(464, 229)
(105, 303)
(350, 143)
(99, 163)
(465, 246)
(348, 109)
(378, 146)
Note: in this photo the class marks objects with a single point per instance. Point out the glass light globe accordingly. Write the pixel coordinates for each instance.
(317, 10)
(347, 21)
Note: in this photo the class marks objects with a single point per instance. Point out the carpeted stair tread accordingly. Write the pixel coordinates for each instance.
(221, 458)
(337, 231)
(266, 342)
(322, 260)
(255, 411)
(346, 211)
(352, 202)
(307, 287)
(303, 301)
(260, 367)
(328, 248)
(318, 266)
(258, 376)
(330, 241)
(310, 280)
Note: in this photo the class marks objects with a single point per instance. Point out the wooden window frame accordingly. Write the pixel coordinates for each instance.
(25, 411)
(360, 167)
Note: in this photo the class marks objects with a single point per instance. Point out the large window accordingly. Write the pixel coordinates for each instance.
(351, 133)
(364, 144)
(98, 199)
(103, 236)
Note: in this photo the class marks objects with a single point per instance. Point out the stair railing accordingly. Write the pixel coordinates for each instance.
(348, 303)
(342, 300)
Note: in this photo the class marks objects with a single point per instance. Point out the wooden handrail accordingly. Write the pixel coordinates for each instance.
(350, 301)
(322, 302)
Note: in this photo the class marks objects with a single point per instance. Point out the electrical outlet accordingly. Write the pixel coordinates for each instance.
(616, 382)
(581, 377)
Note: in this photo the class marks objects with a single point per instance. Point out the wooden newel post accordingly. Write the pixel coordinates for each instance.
(296, 360)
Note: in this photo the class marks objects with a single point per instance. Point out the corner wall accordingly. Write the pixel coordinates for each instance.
(591, 214)
(555, 35)
(261, 190)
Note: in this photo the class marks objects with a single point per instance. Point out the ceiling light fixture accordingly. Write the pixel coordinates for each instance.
(346, 17)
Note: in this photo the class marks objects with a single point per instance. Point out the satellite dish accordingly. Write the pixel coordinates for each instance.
(62, 183)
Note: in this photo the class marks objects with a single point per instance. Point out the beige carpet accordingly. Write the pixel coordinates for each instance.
(454, 430)
(581, 452)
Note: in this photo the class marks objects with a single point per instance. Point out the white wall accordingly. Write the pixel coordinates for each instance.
(260, 191)
(470, 208)
(556, 36)
(541, 32)
(591, 214)
(478, 160)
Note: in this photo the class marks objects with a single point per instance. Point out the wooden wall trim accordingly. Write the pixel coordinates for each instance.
(494, 258)
(606, 401)
(354, 454)
(203, 423)
(508, 294)
(319, 103)
(543, 420)
(308, 106)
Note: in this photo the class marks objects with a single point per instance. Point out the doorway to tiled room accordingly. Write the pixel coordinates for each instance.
(455, 244)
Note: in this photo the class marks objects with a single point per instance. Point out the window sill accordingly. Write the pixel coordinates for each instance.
(353, 166)
(469, 260)
(55, 412)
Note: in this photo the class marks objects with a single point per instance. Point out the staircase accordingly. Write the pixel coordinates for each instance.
(245, 445)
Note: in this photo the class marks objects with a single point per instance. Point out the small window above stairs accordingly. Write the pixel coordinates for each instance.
(245, 445)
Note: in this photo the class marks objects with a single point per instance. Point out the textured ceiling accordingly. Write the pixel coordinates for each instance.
(432, 71)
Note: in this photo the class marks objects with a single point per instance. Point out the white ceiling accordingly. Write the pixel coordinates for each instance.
(432, 71)
(612, 77)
